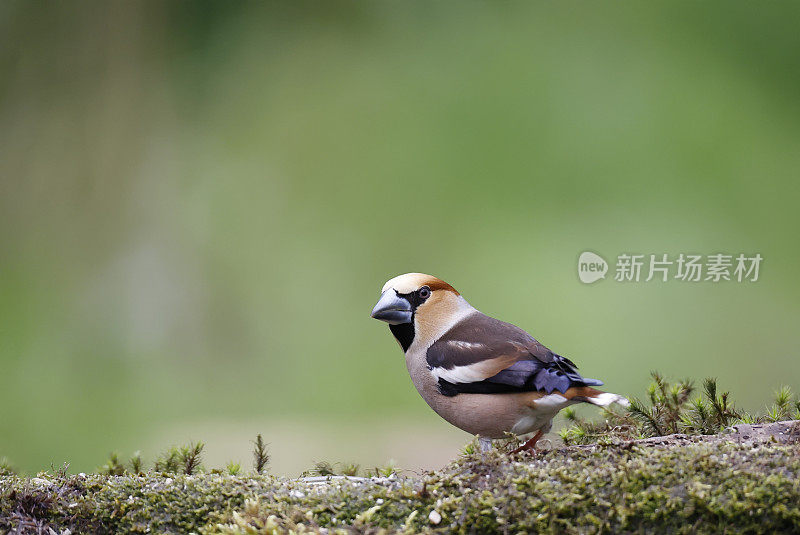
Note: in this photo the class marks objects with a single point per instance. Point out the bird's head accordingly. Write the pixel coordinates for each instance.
(419, 306)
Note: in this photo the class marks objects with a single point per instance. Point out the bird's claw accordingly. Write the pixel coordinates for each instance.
(530, 445)
(531, 450)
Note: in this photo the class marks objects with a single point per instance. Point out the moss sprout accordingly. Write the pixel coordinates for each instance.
(190, 457)
(260, 455)
(136, 464)
(6, 468)
(113, 466)
(168, 462)
(233, 468)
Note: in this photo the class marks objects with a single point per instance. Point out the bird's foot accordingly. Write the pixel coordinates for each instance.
(484, 444)
(530, 445)
(525, 448)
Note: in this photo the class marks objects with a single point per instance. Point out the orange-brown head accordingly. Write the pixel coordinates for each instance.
(418, 307)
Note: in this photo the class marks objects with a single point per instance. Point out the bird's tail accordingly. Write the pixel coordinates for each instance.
(600, 398)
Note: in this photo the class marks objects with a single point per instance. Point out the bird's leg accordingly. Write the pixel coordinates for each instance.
(484, 444)
(530, 445)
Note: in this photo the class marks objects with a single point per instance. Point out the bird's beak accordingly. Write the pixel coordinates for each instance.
(392, 309)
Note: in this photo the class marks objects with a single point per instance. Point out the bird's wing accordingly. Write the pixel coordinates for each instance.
(483, 355)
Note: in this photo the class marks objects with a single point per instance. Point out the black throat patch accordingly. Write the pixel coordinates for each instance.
(404, 333)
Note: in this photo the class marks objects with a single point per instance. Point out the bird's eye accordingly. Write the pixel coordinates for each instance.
(424, 292)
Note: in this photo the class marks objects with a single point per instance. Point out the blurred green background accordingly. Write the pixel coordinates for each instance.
(199, 203)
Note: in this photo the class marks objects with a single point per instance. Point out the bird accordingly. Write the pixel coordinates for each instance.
(482, 375)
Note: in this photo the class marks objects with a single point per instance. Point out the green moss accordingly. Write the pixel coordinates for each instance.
(711, 487)
(670, 408)
(746, 482)
(5, 467)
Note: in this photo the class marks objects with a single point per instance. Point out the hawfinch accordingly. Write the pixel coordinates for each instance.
(482, 375)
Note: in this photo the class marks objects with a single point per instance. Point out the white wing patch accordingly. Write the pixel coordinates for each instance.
(552, 401)
(460, 344)
(460, 374)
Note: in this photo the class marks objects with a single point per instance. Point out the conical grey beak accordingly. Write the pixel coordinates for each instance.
(392, 309)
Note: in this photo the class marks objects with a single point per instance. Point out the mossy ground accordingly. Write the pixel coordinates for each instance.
(610, 478)
(703, 486)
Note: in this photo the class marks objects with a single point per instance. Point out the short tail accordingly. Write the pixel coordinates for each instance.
(600, 398)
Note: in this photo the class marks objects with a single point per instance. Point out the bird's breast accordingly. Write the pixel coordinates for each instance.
(487, 415)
